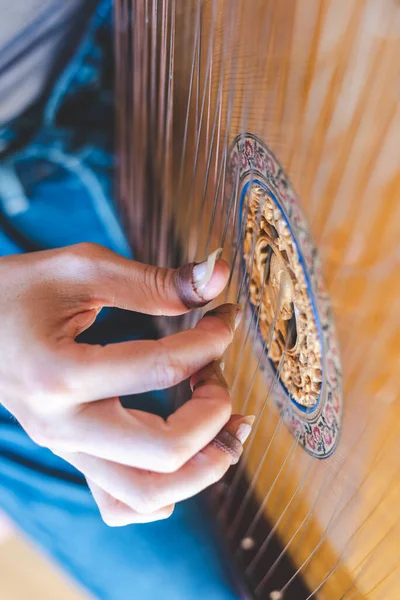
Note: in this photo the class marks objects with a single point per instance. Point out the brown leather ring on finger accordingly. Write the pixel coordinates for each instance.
(191, 279)
(233, 436)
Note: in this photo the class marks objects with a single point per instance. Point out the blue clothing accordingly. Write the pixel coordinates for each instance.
(56, 173)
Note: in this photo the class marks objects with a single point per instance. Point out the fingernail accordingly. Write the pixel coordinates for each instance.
(191, 280)
(230, 313)
(211, 373)
(243, 427)
(202, 272)
(230, 444)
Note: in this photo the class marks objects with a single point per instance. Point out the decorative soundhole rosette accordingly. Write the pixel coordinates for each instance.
(287, 297)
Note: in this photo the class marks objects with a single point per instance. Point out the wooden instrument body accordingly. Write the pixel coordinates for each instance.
(319, 82)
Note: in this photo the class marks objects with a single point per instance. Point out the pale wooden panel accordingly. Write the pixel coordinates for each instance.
(319, 82)
(26, 574)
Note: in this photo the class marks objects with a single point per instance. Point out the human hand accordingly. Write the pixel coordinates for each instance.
(66, 395)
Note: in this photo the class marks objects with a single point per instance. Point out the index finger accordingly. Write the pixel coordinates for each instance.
(97, 372)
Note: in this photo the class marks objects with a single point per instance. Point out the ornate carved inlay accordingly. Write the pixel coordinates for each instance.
(285, 281)
(278, 288)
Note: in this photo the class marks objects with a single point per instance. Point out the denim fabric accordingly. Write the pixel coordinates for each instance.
(56, 171)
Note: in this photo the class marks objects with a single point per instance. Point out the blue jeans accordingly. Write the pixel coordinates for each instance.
(56, 171)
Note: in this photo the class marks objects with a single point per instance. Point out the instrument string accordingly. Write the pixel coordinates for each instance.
(277, 561)
(196, 42)
(144, 115)
(362, 188)
(221, 176)
(118, 82)
(234, 525)
(366, 563)
(159, 193)
(327, 483)
(380, 582)
(253, 325)
(243, 65)
(289, 457)
(235, 261)
(317, 143)
(251, 567)
(198, 65)
(380, 343)
(217, 152)
(306, 85)
(265, 345)
(346, 154)
(284, 36)
(227, 501)
(364, 439)
(216, 128)
(210, 146)
(192, 243)
(259, 37)
(224, 73)
(253, 322)
(136, 176)
(244, 116)
(133, 181)
(247, 273)
(165, 212)
(342, 553)
(222, 169)
(242, 463)
(336, 514)
(151, 92)
(122, 53)
(295, 496)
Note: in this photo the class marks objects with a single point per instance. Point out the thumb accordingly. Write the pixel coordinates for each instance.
(154, 290)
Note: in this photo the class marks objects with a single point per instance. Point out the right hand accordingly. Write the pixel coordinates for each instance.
(66, 395)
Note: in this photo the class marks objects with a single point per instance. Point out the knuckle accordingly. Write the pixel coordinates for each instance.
(87, 249)
(175, 455)
(164, 374)
(83, 258)
(78, 257)
(167, 372)
(49, 427)
(50, 380)
(168, 456)
(145, 494)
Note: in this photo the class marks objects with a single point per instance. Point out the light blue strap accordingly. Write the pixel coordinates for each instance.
(12, 194)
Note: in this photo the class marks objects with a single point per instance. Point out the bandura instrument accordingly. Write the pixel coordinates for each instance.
(271, 130)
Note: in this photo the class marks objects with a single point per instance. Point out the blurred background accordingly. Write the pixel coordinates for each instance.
(26, 574)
